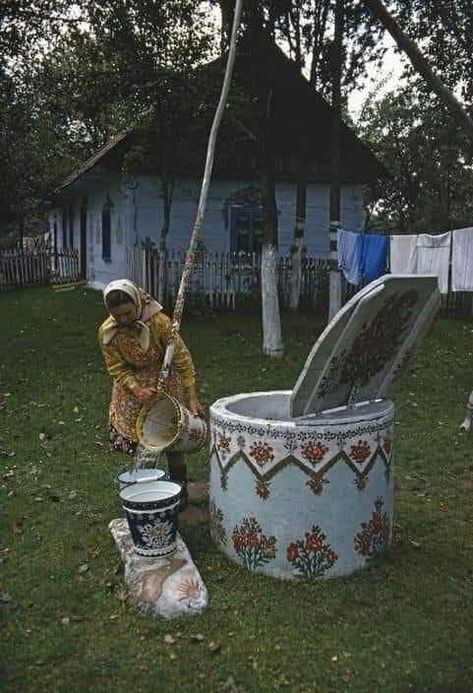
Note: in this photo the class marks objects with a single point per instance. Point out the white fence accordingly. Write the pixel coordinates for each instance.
(37, 267)
(223, 280)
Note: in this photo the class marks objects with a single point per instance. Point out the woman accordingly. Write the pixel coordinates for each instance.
(133, 340)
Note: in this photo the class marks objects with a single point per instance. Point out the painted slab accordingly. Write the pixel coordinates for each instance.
(167, 587)
(300, 498)
(411, 344)
(371, 345)
(321, 352)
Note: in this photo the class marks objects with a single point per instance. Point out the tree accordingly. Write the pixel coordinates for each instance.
(102, 67)
(335, 41)
(426, 154)
(421, 65)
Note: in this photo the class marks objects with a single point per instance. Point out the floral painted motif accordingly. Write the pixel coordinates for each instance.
(312, 556)
(360, 452)
(276, 433)
(314, 451)
(223, 442)
(375, 345)
(378, 342)
(316, 484)
(241, 442)
(262, 452)
(157, 536)
(374, 536)
(253, 547)
(216, 523)
(290, 444)
(189, 589)
(262, 489)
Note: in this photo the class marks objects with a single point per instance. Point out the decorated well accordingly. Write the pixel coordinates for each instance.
(301, 481)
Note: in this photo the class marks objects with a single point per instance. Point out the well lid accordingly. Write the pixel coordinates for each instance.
(368, 343)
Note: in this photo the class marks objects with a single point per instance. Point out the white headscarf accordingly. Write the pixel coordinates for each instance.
(146, 306)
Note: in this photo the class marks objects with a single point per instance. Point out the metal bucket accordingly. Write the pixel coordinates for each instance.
(129, 477)
(165, 424)
(151, 511)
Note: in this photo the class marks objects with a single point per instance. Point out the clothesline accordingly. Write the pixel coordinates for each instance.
(449, 256)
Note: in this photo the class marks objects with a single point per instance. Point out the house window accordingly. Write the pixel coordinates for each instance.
(246, 228)
(106, 232)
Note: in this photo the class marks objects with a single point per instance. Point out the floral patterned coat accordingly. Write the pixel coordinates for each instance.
(129, 365)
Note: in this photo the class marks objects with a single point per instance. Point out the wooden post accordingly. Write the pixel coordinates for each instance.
(195, 237)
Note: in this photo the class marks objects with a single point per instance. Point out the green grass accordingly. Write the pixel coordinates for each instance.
(405, 624)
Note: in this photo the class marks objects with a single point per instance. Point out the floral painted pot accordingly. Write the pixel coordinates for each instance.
(308, 497)
(151, 511)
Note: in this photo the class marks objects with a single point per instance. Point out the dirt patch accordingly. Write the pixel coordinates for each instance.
(194, 515)
(198, 491)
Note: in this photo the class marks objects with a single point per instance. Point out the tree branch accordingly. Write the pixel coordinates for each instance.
(422, 66)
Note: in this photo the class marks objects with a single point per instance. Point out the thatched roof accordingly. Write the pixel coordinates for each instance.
(262, 75)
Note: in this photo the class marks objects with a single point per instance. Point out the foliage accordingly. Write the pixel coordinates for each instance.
(427, 157)
(102, 66)
(67, 623)
(444, 30)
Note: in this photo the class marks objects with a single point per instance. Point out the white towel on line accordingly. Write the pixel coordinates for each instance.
(462, 260)
(433, 257)
(403, 253)
(348, 255)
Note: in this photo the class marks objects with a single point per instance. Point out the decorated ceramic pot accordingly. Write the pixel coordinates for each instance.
(309, 497)
(151, 511)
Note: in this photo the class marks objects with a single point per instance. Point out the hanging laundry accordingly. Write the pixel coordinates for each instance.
(373, 255)
(348, 253)
(462, 260)
(433, 257)
(403, 253)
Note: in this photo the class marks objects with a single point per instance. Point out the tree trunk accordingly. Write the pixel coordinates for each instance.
(335, 292)
(422, 66)
(296, 248)
(272, 340)
(168, 189)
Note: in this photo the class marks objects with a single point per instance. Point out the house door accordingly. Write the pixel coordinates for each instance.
(246, 228)
(83, 240)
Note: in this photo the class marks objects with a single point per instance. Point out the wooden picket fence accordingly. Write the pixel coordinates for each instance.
(220, 280)
(21, 268)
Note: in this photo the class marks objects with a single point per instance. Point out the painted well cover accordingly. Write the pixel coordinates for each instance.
(367, 344)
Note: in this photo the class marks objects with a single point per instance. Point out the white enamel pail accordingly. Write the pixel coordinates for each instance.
(129, 477)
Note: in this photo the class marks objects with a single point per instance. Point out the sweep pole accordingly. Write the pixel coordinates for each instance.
(190, 254)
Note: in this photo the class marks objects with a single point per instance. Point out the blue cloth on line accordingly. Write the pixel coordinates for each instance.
(348, 255)
(373, 255)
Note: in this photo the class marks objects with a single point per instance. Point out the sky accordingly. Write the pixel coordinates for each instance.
(380, 80)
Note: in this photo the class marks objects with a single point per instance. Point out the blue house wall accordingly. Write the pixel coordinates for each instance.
(136, 215)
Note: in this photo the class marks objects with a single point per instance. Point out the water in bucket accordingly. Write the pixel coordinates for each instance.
(139, 475)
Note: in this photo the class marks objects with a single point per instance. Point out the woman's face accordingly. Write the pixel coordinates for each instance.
(125, 314)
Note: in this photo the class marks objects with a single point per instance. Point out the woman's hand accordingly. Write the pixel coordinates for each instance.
(193, 403)
(144, 394)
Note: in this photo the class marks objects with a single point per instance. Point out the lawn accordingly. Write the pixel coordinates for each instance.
(405, 624)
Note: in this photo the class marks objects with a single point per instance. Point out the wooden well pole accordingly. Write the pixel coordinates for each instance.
(196, 231)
